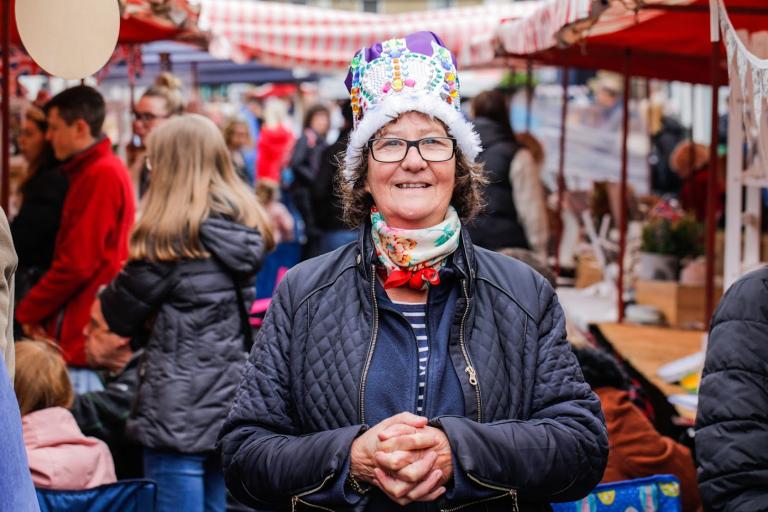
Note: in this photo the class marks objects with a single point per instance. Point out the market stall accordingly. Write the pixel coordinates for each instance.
(663, 39)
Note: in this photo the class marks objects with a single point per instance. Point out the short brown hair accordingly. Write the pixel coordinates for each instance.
(356, 202)
(41, 380)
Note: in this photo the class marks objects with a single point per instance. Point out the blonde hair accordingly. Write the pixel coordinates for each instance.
(168, 87)
(275, 112)
(41, 379)
(192, 177)
(231, 126)
(267, 191)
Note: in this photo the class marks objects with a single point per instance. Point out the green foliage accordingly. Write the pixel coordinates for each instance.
(681, 237)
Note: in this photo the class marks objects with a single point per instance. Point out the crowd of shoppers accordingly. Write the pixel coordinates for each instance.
(402, 366)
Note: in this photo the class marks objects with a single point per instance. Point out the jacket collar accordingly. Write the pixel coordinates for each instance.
(98, 149)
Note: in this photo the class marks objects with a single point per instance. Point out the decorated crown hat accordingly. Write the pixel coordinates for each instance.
(415, 73)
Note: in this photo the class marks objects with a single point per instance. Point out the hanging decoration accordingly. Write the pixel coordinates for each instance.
(748, 74)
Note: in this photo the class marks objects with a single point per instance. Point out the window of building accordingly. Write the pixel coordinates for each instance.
(370, 5)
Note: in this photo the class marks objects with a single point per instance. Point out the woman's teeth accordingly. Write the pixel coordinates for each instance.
(412, 185)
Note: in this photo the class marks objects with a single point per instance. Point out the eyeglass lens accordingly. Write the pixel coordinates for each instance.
(432, 149)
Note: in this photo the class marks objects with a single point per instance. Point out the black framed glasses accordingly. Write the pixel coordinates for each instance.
(146, 117)
(431, 149)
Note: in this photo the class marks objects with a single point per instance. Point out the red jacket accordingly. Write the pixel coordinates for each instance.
(275, 145)
(638, 450)
(91, 246)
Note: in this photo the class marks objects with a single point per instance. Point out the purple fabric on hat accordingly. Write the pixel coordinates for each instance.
(418, 42)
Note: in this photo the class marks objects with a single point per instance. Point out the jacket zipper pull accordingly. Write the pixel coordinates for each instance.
(472, 375)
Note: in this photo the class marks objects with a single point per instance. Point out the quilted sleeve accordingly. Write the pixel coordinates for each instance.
(560, 452)
(129, 300)
(732, 421)
(266, 459)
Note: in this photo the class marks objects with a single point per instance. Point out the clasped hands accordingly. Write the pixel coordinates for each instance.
(408, 460)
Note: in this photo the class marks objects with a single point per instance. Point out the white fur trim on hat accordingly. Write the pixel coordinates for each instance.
(391, 108)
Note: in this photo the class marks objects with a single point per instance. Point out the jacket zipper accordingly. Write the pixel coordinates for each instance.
(507, 492)
(371, 346)
(295, 500)
(470, 370)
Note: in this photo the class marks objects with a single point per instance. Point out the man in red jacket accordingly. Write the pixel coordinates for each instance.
(92, 242)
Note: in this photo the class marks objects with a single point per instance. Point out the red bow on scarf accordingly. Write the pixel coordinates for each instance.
(412, 278)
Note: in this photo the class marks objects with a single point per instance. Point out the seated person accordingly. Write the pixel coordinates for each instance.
(102, 414)
(636, 449)
(60, 456)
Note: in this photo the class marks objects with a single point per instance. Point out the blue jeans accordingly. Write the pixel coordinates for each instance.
(192, 483)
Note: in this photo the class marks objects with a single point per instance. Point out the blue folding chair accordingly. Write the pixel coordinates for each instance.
(123, 496)
(658, 493)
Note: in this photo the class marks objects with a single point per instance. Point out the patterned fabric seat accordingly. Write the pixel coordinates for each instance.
(122, 496)
(658, 493)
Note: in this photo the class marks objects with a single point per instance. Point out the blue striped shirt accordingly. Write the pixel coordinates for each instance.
(416, 315)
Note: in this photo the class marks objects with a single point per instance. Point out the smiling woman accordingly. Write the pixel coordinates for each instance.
(411, 366)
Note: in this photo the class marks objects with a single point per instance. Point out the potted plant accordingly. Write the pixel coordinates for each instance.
(668, 236)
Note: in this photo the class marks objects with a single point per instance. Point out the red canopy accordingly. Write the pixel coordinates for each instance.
(667, 39)
(141, 21)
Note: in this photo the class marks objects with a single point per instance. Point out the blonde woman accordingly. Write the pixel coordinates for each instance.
(193, 256)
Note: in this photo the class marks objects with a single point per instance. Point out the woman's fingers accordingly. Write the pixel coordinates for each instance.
(419, 470)
(419, 440)
(395, 489)
(406, 418)
(426, 488)
(433, 495)
(398, 429)
(395, 461)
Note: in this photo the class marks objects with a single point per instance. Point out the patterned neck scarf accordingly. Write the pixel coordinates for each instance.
(414, 257)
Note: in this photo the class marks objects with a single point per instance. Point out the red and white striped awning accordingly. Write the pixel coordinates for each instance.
(287, 35)
(557, 23)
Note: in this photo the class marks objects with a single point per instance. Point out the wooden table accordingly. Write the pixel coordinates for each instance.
(649, 348)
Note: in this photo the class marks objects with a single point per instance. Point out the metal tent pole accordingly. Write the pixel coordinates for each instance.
(713, 165)
(561, 170)
(623, 187)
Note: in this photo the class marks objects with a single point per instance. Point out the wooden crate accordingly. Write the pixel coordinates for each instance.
(588, 271)
(682, 306)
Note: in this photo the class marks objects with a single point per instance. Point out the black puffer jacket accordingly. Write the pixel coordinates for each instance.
(533, 430)
(194, 357)
(732, 421)
(498, 224)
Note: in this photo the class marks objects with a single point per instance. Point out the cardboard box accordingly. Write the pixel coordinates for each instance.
(588, 271)
(682, 306)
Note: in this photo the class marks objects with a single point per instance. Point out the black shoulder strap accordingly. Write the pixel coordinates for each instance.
(245, 321)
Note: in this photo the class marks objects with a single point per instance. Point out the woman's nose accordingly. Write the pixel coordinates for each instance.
(413, 160)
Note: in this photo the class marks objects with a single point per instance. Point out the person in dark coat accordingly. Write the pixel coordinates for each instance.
(193, 257)
(732, 420)
(412, 370)
(35, 227)
(102, 414)
(515, 214)
(326, 203)
(305, 162)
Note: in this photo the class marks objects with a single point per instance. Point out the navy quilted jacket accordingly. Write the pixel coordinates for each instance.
(732, 421)
(533, 431)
